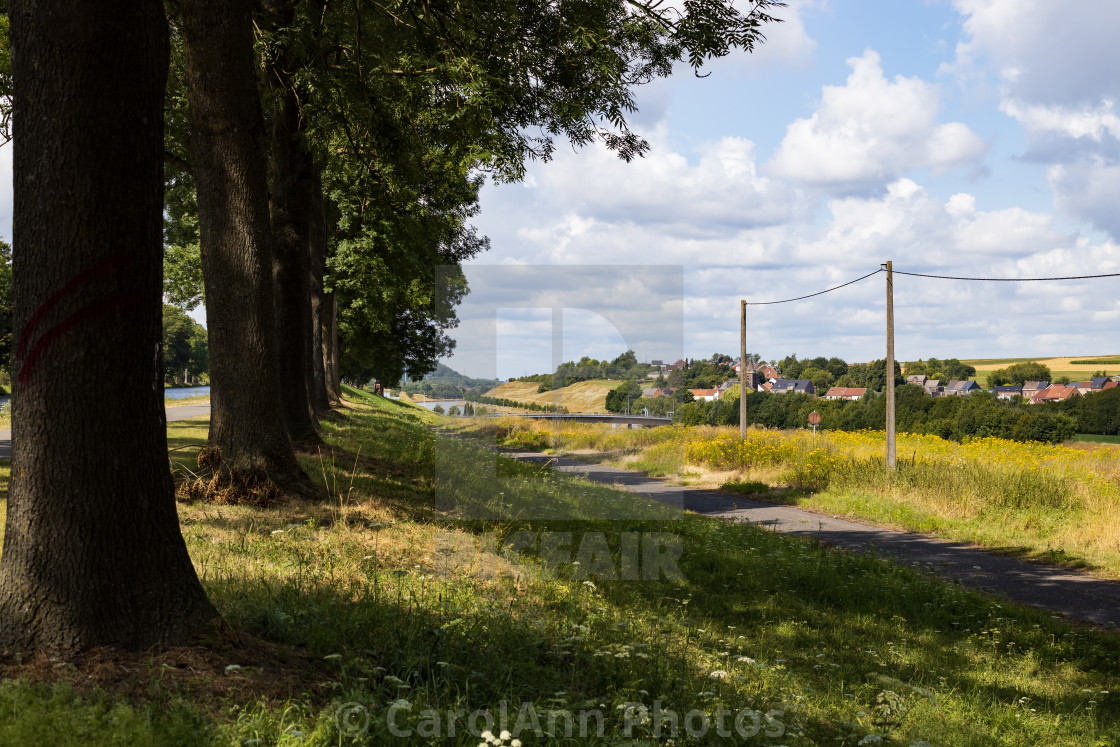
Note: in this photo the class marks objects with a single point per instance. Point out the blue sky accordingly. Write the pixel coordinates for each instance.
(963, 137)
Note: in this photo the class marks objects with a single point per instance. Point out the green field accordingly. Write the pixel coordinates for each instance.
(1096, 438)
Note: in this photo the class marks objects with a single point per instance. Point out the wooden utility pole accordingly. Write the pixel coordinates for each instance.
(890, 368)
(743, 369)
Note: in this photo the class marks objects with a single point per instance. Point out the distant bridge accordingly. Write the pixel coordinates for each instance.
(646, 421)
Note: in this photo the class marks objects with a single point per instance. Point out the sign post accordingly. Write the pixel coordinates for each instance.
(814, 420)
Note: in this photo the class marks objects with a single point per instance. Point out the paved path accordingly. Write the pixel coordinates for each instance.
(179, 412)
(1069, 593)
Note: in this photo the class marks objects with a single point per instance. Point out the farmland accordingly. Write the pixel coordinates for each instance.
(583, 396)
(1075, 367)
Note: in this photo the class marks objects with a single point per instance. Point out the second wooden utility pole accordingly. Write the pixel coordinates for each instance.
(743, 369)
(890, 368)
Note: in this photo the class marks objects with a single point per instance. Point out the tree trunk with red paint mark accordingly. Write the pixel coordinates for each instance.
(93, 553)
(230, 171)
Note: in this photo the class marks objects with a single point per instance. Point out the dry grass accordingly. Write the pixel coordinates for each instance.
(584, 396)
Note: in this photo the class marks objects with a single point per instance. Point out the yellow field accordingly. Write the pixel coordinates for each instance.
(585, 396)
(1057, 365)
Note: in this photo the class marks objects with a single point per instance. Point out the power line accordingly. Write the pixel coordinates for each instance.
(818, 293)
(936, 277)
(1009, 280)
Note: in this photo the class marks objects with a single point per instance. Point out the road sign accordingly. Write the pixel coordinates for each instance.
(814, 418)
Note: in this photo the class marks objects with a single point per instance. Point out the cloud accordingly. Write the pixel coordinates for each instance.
(787, 43)
(805, 252)
(870, 131)
(1087, 189)
(1041, 51)
(1093, 122)
(715, 193)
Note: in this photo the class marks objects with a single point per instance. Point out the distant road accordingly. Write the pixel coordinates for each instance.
(180, 412)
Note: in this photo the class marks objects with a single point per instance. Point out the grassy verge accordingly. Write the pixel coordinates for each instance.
(186, 400)
(398, 598)
(1054, 503)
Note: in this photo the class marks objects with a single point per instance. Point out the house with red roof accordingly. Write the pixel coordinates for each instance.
(845, 392)
(1056, 393)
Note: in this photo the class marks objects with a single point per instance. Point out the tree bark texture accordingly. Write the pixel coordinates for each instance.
(93, 554)
(330, 347)
(289, 208)
(317, 236)
(230, 171)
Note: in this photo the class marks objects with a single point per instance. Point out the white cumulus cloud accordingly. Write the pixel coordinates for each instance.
(871, 131)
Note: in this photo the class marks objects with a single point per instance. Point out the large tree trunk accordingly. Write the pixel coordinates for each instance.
(93, 554)
(330, 347)
(289, 208)
(230, 171)
(317, 236)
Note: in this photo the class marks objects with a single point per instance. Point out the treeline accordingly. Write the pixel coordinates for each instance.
(625, 366)
(186, 354)
(482, 399)
(310, 172)
(447, 383)
(627, 397)
(956, 418)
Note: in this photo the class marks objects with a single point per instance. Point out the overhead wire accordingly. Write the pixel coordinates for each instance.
(937, 277)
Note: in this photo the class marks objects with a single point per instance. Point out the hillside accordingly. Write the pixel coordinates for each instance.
(446, 383)
(584, 396)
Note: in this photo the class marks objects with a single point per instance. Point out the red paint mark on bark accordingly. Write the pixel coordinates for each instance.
(109, 266)
(117, 302)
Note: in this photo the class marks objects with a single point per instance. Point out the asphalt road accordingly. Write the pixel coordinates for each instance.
(1073, 594)
(180, 412)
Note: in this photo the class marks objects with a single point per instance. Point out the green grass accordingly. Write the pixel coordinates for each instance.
(1097, 438)
(397, 588)
(745, 487)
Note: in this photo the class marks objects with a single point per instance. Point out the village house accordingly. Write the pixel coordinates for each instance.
(1007, 392)
(1031, 388)
(961, 388)
(933, 388)
(1055, 393)
(1097, 384)
(705, 395)
(765, 371)
(845, 392)
(798, 386)
(726, 386)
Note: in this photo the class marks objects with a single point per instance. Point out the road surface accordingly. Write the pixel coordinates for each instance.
(1073, 594)
(179, 412)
